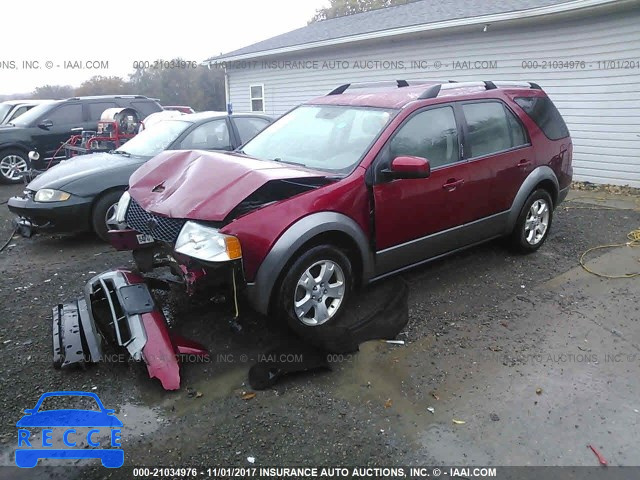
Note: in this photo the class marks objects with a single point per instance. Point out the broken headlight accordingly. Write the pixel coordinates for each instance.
(51, 195)
(123, 204)
(207, 243)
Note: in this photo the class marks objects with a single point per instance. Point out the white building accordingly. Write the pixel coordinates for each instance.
(584, 53)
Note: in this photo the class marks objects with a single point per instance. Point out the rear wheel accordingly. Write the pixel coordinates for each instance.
(534, 222)
(104, 211)
(314, 292)
(13, 163)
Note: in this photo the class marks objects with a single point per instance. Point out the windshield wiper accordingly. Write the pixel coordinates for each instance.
(121, 152)
(279, 160)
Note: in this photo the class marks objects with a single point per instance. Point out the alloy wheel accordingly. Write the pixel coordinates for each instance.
(319, 293)
(12, 167)
(537, 222)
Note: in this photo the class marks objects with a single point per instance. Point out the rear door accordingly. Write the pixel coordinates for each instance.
(65, 119)
(499, 155)
(409, 210)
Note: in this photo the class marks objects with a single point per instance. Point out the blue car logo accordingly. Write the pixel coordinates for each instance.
(27, 455)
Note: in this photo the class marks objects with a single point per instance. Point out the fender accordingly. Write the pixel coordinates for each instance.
(538, 175)
(16, 145)
(259, 292)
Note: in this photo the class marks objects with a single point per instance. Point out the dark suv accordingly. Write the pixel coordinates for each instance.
(45, 127)
(350, 188)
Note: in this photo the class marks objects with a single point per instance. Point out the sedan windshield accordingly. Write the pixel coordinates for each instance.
(155, 139)
(323, 137)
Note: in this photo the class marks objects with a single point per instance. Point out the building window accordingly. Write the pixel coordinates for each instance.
(256, 93)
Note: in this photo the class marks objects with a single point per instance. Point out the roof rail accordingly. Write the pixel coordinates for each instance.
(343, 88)
(434, 90)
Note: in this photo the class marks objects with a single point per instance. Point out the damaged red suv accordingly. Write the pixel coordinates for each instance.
(350, 188)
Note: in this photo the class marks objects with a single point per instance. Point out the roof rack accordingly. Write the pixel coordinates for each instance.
(434, 90)
(343, 88)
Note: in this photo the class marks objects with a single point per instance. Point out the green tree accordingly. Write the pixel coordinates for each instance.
(100, 85)
(341, 8)
(53, 92)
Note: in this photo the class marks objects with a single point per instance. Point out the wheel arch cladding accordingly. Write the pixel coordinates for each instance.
(541, 177)
(321, 227)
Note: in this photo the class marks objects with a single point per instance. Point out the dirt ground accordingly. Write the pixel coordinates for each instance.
(536, 356)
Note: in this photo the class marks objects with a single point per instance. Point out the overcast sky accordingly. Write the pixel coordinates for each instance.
(70, 31)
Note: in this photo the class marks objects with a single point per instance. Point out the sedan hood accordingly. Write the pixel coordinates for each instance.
(81, 166)
(201, 185)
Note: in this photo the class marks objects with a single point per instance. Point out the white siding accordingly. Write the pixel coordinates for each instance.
(601, 106)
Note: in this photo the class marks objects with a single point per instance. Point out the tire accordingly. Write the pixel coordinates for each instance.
(311, 265)
(103, 207)
(534, 222)
(12, 164)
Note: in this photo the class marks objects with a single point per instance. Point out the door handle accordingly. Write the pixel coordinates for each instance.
(524, 163)
(452, 184)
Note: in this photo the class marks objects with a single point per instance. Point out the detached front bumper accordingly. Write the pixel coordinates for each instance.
(70, 216)
(118, 309)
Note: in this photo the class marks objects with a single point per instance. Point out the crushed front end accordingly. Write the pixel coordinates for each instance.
(196, 253)
(118, 309)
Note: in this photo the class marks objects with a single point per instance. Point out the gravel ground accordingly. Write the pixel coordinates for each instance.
(370, 409)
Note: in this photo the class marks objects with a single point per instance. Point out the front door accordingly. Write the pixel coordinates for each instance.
(412, 214)
(64, 119)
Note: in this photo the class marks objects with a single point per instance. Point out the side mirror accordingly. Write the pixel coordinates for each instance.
(45, 124)
(29, 411)
(408, 167)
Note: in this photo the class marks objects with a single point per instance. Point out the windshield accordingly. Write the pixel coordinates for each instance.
(323, 137)
(27, 118)
(4, 109)
(155, 139)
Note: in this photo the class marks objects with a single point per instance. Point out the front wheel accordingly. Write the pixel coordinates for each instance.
(13, 164)
(104, 212)
(534, 222)
(315, 290)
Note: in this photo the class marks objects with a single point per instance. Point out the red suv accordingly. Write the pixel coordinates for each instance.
(350, 188)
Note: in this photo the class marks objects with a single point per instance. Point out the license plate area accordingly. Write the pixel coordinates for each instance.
(144, 239)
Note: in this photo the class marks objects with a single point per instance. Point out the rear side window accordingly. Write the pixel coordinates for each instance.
(146, 108)
(248, 127)
(545, 114)
(492, 128)
(96, 109)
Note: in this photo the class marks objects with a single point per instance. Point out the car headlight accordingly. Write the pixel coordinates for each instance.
(207, 243)
(51, 195)
(123, 204)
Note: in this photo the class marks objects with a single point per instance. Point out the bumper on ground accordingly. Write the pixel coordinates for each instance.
(118, 309)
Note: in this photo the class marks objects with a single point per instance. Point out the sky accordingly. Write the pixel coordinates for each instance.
(59, 49)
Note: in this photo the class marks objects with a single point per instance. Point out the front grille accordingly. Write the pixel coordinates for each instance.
(160, 228)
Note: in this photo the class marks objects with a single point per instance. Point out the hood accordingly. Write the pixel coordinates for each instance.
(82, 166)
(201, 185)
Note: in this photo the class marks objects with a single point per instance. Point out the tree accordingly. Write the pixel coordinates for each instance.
(100, 85)
(53, 92)
(341, 8)
(198, 87)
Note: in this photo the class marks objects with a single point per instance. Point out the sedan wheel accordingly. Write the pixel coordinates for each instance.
(12, 166)
(319, 293)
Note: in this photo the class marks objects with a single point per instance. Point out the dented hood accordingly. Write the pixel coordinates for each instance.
(203, 185)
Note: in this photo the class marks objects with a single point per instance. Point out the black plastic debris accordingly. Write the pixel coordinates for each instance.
(385, 315)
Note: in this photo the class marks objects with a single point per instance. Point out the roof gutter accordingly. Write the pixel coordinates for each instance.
(392, 32)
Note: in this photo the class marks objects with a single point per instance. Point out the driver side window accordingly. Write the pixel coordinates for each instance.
(431, 134)
(210, 136)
